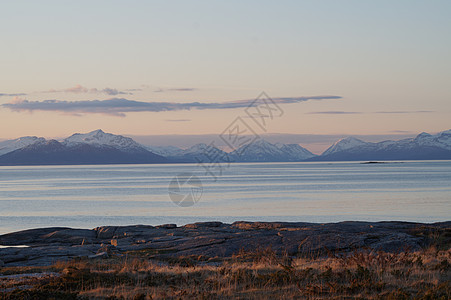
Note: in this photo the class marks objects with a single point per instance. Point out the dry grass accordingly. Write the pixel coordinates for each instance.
(249, 275)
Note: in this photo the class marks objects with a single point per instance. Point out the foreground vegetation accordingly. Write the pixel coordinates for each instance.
(249, 275)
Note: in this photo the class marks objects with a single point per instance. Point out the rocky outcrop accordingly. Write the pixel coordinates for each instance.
(212, 239)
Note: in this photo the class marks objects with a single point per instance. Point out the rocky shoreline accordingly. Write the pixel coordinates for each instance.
(46, 246)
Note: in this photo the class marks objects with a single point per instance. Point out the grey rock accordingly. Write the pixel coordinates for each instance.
(106, 248)
(13, 258)
(167, 226)
(27, 237)
(211, 239)
(203, 225)
(118, 242)
(133, 230)
(105, 232)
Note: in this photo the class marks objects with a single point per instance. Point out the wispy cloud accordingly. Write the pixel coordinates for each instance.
(79, 89)
(404, 112)
(120, 106)
(113, 92)
(12, 95)
(401, 131)
(333, 112)
(374, 112)
(161, 90)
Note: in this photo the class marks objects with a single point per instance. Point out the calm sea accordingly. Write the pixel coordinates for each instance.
(90, 196)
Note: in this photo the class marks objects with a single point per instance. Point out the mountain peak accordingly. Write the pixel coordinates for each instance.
(198, 146)
(446, 132)
(423, 138)
(423, 134)
(100, 138)
(262, 150)
(11, 145)
(262, 142)
(349, 139)
(344, 144)
(98, 131)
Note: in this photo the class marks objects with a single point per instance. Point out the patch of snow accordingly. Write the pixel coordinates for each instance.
(100, 138)
(344, 144)
(12, 145)
(165, 150)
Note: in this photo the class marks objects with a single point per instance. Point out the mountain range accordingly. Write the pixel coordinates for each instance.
(423, 147)
(98, 147)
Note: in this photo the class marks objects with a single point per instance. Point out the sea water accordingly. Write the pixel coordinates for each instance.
(91, 196)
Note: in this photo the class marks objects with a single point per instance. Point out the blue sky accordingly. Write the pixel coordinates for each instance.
(378, 56)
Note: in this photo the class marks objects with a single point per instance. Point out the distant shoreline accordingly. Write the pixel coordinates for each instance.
(247, 162)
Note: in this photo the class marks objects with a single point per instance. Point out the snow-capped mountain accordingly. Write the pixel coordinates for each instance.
(295, 151)
(344, 144)
(100, 138)
(441, 140)
(165, 150)
(196, 149)
(197, 153)
(95, 147)
(11, 145)
(259, 150)
(262, 150)
(98, 147)
(423, 146)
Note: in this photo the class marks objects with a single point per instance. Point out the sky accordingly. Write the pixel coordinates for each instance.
(166, 70)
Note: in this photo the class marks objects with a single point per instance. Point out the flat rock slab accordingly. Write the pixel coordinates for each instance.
(211, 239)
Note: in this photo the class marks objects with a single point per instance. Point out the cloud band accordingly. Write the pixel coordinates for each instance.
(120, 106)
